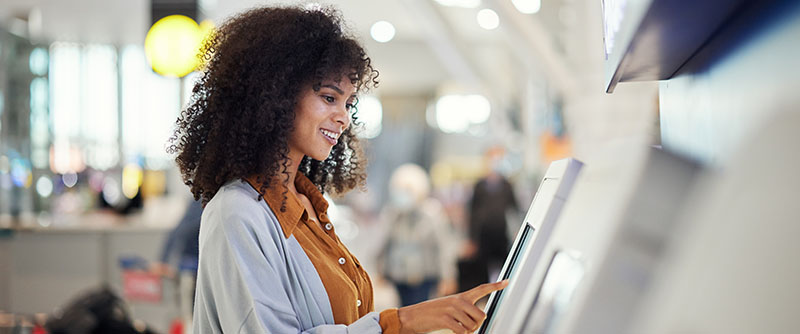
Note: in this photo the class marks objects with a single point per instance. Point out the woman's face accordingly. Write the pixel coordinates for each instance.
(320, 117)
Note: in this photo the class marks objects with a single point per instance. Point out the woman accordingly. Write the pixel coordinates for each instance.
(267, 132)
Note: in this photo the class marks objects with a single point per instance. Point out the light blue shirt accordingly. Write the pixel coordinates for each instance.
(251, 279)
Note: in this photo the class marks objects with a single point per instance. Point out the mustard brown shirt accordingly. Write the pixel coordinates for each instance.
(347, 283)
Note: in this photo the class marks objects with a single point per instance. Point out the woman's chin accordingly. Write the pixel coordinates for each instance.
(322, 156)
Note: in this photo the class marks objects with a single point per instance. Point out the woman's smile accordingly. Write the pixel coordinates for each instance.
(331, 136)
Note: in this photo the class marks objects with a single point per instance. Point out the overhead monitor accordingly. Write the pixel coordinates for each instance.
(653, 39)
(531, 239)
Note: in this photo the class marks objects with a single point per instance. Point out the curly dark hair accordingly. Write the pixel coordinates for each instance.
(242, 109)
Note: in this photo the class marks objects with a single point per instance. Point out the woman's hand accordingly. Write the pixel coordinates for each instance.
(457, 313)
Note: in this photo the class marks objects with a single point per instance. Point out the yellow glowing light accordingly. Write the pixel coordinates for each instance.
(172, 45)
(206, 28)
(132, 176)
(206, 32)
(154, 183)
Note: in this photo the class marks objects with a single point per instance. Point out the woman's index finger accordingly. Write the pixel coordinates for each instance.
(476, 293)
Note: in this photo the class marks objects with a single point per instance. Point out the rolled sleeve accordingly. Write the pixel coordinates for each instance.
(389, 321)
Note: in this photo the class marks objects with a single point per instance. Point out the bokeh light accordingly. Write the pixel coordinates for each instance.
(370, 112)
(488, 19)
(460, 3)
(111, 192)
(21, 173)
(132, 176)
(457, 113)
(69, 179)
(382, 31)
(44, 186)
(527, 6)
(172, 45)
(38, 61)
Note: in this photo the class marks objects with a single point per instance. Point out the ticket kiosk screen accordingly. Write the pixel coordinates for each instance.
(516, 254)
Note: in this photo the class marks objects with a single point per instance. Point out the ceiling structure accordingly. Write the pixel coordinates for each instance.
(434, 47)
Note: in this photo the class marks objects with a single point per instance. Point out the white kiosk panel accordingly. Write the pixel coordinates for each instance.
(531, 239)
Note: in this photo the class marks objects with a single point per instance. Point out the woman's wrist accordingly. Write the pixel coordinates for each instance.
(404, 319)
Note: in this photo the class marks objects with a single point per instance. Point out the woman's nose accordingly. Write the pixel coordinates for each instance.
(342, 117)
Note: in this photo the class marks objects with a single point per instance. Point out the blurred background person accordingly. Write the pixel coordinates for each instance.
(488, 242)
(180, 249)
(179, 258)
(418, 255)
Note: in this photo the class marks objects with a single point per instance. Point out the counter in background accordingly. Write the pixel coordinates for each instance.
(46, 267)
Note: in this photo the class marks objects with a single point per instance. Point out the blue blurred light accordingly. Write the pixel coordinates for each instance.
(20, 172)
(38, 61)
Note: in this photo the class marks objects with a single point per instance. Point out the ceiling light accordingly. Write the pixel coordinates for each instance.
(460, 3)
(488, 19)
(458, 113)
(382, 31)
(527, 6)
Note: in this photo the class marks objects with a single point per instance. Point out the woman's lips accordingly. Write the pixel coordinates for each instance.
(330, 136)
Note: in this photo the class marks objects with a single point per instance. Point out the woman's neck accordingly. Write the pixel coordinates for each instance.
(291, 169)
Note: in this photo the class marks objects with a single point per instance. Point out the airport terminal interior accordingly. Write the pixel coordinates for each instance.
(630, 166)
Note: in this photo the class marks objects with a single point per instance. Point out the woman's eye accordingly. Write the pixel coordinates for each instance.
(330, 99)
(349, 106)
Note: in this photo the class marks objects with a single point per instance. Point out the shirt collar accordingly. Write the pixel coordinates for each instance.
(295, 212)
(306, 187)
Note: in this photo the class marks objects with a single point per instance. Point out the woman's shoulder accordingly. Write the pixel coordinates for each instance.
(234, 199)
(237, 212)
(234, 191)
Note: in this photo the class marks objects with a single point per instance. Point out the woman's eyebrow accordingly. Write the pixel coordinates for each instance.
(337, 89)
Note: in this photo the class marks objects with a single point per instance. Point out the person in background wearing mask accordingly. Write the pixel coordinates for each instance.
(418, 254)
(488, 245)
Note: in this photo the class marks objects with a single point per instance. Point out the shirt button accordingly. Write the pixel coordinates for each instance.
(328, 226)
(341, 260)
(358, 303)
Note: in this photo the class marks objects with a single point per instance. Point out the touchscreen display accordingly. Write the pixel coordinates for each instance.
(525, 241)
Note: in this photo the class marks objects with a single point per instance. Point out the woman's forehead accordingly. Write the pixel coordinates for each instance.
(343, 85)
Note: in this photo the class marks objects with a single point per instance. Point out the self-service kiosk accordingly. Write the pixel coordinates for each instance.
(644, 232)
(528, 246)
(573, 287)
(734, 267)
